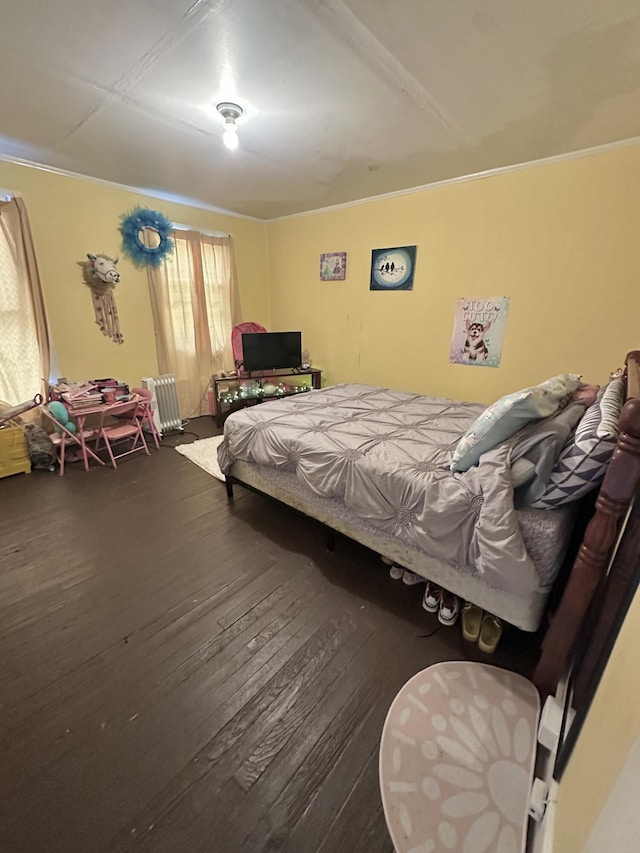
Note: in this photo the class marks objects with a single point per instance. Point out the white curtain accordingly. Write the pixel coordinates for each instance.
(195, 306)
(24, 338)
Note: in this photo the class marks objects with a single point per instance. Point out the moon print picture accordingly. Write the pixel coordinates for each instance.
(393, 269)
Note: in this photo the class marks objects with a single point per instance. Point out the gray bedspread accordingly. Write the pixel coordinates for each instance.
(386, 455)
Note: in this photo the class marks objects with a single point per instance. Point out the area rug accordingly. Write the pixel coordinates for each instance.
(457, 760)
(204, 453)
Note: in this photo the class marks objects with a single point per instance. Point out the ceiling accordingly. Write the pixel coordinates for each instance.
(343, 99)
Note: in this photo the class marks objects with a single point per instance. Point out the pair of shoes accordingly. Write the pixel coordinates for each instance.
(431, 597)
(490, 633)
(449, 609)
(412, 578)
(400, 573)
(482, 628)
(445, 603)
(471, 621)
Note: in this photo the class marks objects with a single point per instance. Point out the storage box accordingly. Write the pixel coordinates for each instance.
(14, 458)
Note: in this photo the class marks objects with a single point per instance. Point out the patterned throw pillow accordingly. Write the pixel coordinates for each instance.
(611, 404)
(506, 416)
(582, 464)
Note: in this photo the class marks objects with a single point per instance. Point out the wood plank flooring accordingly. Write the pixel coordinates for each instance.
(179, 673)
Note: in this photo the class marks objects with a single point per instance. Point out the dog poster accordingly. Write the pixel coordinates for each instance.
(478, 331)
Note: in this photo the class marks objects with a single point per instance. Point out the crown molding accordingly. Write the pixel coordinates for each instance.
(476, 176)
(199, 205)
(158, 195)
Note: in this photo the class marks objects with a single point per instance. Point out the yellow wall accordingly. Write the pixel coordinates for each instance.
(611, 729)
(72, 216)
(560, 239)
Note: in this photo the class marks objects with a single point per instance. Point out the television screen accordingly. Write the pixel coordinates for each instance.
(272, 350)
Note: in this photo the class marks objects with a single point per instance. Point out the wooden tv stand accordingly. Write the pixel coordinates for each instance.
(231, 393)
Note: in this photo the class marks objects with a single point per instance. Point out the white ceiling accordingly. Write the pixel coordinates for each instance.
(344, 99)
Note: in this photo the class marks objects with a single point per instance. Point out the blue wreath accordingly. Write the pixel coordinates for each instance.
(131, 225)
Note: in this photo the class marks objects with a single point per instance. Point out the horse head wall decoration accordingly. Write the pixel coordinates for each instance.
(100, 273)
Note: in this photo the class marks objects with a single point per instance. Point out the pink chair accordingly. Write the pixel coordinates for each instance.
(236, 341)
(145, 412)
(63, 438)
(128, 426)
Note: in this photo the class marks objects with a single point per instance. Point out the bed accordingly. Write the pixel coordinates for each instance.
(374, 465)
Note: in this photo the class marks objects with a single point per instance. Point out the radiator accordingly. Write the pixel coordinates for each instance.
(164, 403)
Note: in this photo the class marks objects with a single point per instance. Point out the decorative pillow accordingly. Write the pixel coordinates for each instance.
(610, 408)
(541, 442)
(522, 472)
(583, 461)
(506, 416)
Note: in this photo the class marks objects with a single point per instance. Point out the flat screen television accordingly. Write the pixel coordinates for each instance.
(271, 350)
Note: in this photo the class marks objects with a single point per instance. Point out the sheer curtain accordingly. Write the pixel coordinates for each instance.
(24, 338)
(195, 306)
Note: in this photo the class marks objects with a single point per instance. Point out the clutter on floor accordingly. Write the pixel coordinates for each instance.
(14, 458)
(14, 447)
(479, 627)
(25, 445)
(40, 448)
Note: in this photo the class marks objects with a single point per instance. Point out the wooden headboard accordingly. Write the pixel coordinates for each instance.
(600, 539)
(633, 375)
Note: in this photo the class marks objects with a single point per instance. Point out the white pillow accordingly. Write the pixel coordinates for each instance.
(508, 414)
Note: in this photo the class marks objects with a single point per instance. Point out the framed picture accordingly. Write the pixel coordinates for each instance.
(478, 330)
(393, 269)
(333, 266)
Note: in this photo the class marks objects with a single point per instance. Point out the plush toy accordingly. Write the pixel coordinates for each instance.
(61, 414)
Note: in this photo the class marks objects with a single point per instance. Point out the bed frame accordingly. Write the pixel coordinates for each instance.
(601, 542)
(616, 494)
(524, 612)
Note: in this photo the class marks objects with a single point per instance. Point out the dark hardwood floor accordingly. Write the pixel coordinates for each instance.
(180, 673)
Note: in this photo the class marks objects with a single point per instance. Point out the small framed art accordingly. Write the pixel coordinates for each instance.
(393, 269)
(333, 266)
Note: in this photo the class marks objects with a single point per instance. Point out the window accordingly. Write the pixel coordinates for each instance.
(180, 275)
(193, 300)
(24, 349)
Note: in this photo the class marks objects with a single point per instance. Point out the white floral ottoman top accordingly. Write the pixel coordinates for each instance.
(457, 760)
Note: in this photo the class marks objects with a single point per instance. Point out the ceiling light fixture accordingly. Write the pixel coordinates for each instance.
(230, 113)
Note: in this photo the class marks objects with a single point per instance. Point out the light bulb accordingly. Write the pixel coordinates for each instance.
(230, 136)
